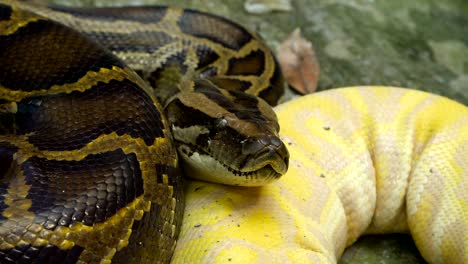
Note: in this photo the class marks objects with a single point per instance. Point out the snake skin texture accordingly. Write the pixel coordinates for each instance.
(363, 160)
(89, 170)
(215, 79)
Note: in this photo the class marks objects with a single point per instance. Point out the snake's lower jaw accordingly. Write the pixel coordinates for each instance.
(272, 160)
(269, 167)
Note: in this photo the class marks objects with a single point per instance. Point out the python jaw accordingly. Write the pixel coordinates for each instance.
(260, 169)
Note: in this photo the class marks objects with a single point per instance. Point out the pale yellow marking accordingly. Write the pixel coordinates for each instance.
(15, 198)
(168, 23)
(10, 107)
(17, 210)
(103, 143)
(191, 59)
(149, 62)
(195, 100)
(84, 83)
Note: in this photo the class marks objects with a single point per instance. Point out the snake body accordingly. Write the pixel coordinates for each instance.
(88, 164)
(215, 80)
(88, 148)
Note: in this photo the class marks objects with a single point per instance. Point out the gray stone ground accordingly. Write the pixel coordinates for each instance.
(419, 44)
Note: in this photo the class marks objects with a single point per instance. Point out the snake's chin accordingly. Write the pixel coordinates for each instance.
(203, 167)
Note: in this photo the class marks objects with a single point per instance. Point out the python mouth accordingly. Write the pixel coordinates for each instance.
(265, 172)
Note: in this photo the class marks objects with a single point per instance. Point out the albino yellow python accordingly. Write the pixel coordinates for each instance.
(363, 160)
(89, 171)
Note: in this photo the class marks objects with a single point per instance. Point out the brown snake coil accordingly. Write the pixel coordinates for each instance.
(88, 148)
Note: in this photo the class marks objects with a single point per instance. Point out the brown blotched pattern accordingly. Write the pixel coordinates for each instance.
(90, 169)
(87, 165)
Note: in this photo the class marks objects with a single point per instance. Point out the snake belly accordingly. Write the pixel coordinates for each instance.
(363, 160)
(89, 165)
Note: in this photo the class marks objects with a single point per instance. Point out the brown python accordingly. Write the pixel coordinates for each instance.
(88, 148)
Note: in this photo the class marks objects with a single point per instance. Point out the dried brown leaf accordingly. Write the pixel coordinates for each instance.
(298, 63)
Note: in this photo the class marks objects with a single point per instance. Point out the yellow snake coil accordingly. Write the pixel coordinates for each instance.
(363, 160)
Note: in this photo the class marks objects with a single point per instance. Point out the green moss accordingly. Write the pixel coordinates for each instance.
(390, 249)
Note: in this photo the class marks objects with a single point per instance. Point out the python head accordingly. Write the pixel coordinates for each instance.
(229, 136)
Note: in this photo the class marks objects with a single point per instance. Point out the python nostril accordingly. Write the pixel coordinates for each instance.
(280, 149)
(252, 146)
(267, 143)
(271, 141)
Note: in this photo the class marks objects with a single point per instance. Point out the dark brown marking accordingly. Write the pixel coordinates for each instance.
(6, 164)
(46, 254)
(7, 123)
(5, 12)
(147, 14)
(206, 56)
(178, 117)
(214, 28)
(88, 191)
(276, 88)
(3, 206)
(213, 93)
(250, 103)
(252, 64)
(230, 83)
(243, 105)
(142, 41)
(70, 121)
(45, 53)
(6, 157)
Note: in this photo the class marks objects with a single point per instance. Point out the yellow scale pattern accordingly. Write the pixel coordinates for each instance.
(363, 160)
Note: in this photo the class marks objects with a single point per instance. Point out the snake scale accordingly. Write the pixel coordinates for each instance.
(89, 165)
(89, 150)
